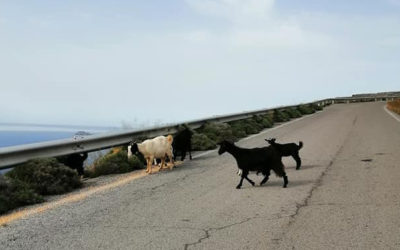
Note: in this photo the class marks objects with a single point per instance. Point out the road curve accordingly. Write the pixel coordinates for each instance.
(346, 196)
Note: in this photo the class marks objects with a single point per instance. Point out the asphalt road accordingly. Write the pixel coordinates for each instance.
(346, 196)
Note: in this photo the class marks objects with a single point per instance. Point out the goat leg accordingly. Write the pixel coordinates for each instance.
(162, 164)
(240, 183)
(171, 159)
(244, 176)
(183, 154)
(149, 165)
(251, 182)
(296, 157)
(266, 174)
(285, 180)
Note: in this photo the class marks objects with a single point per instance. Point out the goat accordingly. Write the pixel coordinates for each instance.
(255, 159)
(159, 147)
(288, 149)
(74, 161)
(183, 143)
(156, 162)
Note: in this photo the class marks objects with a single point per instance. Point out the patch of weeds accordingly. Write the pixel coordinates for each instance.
(293, 113)
(280, 116)
(46, 176)
(306, 109)
(201, 142)
(15, 193)
(114, 162)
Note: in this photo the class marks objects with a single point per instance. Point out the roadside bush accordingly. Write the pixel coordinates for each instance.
(217, 131)
(394, 106)
(245, 127)
(305, 109)
(263, 121)
(15, 193)
(201, 142)
(293, 113)
(280, 116)
(254, 125)
(114, 162)
(238, 129)
(46, 176)
(315, 106)
(267, 121)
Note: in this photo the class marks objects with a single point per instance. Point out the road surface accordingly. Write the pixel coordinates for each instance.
(346, 196)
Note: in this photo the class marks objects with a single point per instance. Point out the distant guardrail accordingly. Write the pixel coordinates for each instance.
(10, 156)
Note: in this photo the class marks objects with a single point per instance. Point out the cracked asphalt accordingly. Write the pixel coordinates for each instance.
(345, 196)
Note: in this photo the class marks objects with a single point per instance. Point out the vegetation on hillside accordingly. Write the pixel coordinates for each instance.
(114, 162)
(394, 106)
(15, 193)
(46, 176)
(28, 182)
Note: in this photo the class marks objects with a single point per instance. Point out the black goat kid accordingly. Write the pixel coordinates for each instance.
(183, 143)
(288, 149)
(74, 161)
(255, 159)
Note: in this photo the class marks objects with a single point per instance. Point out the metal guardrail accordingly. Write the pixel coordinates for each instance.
(10, 156)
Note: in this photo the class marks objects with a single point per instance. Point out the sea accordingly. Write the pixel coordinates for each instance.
(13, 134)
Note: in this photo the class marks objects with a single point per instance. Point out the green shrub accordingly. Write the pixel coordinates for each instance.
(280, 116)
(46, 176)
(316, 106)
(241, 128)
(201, 142)
(238, 129)
(262, 121)
(253, 126)
(15, 193)
(266, 121)
(114, 162)
(217, 131)
(293, 112)
(306, 109)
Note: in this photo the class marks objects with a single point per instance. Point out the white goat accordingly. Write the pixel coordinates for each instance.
(159, 147)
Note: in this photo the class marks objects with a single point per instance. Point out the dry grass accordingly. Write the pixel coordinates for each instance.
(394, 106)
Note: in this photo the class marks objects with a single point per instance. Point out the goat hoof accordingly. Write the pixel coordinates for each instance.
(253, 184)
(238, 187)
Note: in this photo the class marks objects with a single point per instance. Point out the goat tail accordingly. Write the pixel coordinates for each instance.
(300, 144)
(170, 139)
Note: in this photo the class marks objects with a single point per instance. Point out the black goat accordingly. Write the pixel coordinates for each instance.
(288, 149)
(255, 159)
(74, 161)
(183, 143)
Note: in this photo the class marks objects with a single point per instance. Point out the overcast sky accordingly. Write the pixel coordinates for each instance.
(150, 61)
